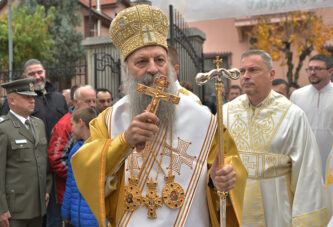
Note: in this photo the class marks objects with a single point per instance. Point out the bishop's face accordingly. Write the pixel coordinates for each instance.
(143, 66)
(151, 60)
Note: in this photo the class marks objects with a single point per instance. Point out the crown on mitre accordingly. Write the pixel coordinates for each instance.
(139, 26)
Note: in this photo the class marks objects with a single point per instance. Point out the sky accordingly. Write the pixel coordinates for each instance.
(200, 10)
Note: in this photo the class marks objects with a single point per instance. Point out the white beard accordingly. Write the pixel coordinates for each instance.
(139, 101)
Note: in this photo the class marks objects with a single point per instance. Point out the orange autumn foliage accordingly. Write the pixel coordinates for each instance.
(296, 33)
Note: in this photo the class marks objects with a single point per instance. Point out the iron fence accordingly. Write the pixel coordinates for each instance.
(62, 76)
(190, 51)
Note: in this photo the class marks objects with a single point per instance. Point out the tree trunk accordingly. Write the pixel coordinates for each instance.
(289, 56)
(305, 52)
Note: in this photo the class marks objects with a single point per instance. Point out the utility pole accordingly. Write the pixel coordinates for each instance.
(90, 18)
(99, 10)
(10, 41)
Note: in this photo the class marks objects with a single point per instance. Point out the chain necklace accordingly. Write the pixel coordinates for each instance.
(173, 194)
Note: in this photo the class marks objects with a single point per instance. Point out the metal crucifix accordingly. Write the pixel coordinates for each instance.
(217, 75)
(157, 93)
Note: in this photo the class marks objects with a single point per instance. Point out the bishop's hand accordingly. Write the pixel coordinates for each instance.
(142, 129)
(224, 178)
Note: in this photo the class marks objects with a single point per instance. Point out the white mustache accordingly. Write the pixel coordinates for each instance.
(148, 79)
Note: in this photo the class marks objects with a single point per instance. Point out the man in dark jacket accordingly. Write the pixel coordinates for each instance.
(50, 106)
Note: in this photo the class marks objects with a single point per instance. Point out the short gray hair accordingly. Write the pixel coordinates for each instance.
(77, 93)
(264, 55)
(31, 61)
(67, 91)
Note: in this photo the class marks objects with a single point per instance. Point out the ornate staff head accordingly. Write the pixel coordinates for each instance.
(216, 75)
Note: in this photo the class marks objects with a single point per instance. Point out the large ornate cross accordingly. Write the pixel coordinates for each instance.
(157, 93)
(217, 75)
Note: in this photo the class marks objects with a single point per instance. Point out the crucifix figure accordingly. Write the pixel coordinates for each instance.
(157, 93)
(216, 75)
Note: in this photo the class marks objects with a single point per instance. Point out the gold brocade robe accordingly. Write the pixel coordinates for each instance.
(280, 153)
(102, 156)
(329, 186)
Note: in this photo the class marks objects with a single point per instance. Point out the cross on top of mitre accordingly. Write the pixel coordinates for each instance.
(148, 34)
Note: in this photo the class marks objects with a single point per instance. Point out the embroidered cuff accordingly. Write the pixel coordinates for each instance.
(122, 139)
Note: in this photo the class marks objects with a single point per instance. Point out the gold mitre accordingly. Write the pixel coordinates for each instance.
(139, 26)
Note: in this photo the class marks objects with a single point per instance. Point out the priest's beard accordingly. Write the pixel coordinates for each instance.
(313, 79)
(139, 101)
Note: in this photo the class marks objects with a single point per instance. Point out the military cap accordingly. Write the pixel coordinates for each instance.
(137, 27)
(21, 86)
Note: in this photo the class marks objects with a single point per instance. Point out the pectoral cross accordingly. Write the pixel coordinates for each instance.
(157, 93)
(152, 200)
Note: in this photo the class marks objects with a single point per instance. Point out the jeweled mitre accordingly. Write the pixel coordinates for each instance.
(139, 26)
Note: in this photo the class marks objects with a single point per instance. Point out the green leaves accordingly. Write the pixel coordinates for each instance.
(31, 38)
(43, 29)
(67, 40)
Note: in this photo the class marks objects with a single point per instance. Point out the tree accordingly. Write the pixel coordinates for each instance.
(301, 32)
(67, 41)
(31, 38)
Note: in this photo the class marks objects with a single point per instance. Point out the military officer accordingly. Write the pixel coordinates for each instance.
(25, 182)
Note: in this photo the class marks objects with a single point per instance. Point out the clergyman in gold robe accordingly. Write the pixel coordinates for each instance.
(278, 149)
(173, 181)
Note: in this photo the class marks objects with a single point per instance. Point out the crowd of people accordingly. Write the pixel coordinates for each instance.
(84, 158)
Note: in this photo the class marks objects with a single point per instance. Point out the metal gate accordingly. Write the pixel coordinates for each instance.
(190, 51)
(107, 73)
(62, 76)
